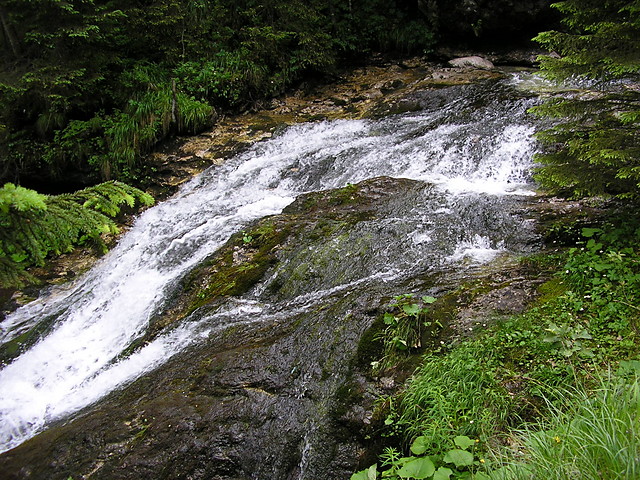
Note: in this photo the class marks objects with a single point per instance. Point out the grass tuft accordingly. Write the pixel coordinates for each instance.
(597, 438)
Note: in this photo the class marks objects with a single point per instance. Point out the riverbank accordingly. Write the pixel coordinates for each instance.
(381, 87)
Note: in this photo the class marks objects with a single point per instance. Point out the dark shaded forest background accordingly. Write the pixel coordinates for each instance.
(88, 86)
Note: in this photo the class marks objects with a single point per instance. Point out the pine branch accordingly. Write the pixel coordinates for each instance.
(34, 226)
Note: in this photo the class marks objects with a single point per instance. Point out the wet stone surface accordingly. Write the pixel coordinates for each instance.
(278, 384)
(280, 391)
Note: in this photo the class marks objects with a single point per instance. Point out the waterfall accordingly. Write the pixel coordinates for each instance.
(475, 149)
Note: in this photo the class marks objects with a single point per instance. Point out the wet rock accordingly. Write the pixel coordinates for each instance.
(472, 62)
(272, 399)
(282, 395)
(287, 393)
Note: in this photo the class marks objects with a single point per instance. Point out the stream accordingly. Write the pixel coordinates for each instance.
(469, 150)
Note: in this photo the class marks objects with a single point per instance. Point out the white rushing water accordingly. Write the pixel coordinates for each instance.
(92, 321)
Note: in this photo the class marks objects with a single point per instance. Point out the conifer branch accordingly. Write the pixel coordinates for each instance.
(35, 226)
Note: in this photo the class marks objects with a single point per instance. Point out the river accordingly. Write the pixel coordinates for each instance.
(470, 146)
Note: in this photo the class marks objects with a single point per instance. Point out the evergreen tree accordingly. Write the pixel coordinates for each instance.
(594, 148)
(33, 226)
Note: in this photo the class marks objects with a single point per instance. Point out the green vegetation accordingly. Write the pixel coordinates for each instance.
(594, 148)
(33, 226)
(597, 436)
(91, 85)
(88, 87)
(522, 371)
(457, 462)
(405, 326)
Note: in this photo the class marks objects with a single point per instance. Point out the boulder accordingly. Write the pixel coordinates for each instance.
(472, 62)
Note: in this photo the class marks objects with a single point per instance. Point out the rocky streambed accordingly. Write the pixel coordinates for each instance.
(247, 320)
(283, 388)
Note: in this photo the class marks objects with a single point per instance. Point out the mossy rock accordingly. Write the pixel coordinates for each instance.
(276, 250)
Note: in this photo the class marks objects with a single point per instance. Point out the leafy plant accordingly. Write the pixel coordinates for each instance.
(405, 325)
(593, 148)
(456, 463)
(33, 226)
(568, 340)
(246, 238)
(604, 277)
(531, 367)
(92, 86)
(454, 394)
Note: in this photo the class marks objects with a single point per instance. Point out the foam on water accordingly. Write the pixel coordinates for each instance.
(92, 321)
(478, 249)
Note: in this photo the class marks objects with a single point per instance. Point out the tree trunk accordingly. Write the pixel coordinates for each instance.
(9, 34)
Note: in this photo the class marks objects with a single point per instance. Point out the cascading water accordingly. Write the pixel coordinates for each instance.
(475, 147)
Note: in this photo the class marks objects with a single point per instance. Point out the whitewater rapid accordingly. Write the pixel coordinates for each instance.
(462, 148)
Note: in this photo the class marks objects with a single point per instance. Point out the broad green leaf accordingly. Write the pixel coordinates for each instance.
(428, 299)
(370, 473)
(460, 458)
(443, 473)
(417, 468)
(412, 309)
(581, 334)
(593, 245)
(463, 441)
(590, 232)
(627, 366)
(361, 475)
(389, 319)
(419, 445)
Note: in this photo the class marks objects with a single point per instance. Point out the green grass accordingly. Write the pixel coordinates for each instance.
(455, 394)
(598, 437)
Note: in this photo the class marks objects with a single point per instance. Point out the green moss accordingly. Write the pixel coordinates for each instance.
(238, 266)
(327, 201)
(348, 394)
(14, 347)
(551, 289)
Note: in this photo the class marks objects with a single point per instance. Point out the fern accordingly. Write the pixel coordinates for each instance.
(34, 226)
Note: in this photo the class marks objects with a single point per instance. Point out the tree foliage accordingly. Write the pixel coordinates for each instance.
(91, 85)
(594, 148)
(33, 226)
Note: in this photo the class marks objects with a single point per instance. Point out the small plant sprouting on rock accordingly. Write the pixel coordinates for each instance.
(404, 327)
(246, 238)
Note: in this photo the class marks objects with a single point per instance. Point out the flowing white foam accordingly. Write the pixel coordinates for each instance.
(479, 249)
(93, 321)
